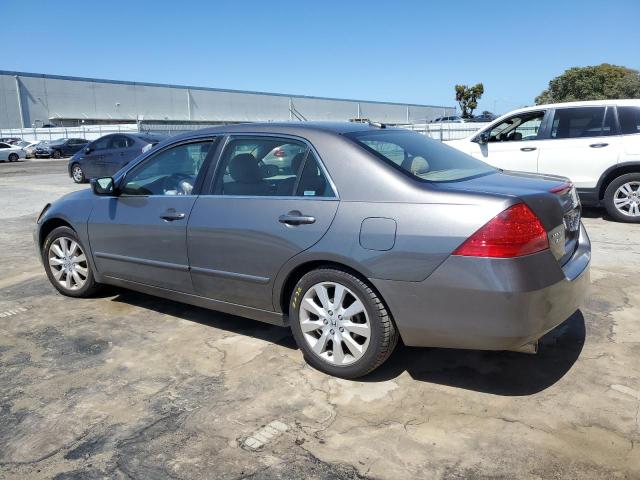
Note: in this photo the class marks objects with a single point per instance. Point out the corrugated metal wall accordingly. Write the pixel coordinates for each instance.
(28, 99)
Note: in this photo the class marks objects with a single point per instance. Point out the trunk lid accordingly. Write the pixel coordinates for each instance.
(552, 198)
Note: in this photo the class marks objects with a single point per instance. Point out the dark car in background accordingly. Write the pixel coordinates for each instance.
(62, 147)
(108, 154)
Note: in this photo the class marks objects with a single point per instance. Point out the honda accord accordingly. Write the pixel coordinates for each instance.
(366, 235)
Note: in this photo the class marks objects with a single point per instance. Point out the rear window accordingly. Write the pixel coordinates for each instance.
(421, 157)
(629, 118)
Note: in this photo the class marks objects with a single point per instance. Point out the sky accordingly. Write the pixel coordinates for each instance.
(399, 51)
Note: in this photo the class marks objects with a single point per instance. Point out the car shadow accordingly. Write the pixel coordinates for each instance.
(592, 212)
(240, 325)
(497, 373)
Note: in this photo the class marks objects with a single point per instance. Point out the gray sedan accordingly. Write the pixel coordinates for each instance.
(366, 235)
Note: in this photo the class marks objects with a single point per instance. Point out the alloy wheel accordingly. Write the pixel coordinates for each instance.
(626, 199)
(334, 323)
(68, 263)
(77, 173)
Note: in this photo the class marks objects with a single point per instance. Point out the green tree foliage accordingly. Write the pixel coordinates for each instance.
(598, 82)
(467, 98)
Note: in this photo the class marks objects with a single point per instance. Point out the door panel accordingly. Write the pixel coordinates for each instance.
(517, 155)
(582, 145)
(238, 244)
(514, 143)
(131, 241)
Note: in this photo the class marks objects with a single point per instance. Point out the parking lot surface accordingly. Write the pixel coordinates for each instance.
(127, 385)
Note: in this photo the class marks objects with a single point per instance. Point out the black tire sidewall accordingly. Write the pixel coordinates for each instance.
(611, 190)
(90, 285)
(370, 359)
(56, 154)
(13, 157)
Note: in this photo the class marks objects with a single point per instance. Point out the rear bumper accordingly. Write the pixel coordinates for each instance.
(489, 304)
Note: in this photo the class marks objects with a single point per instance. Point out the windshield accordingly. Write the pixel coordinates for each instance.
(58, 142)
(421, 157)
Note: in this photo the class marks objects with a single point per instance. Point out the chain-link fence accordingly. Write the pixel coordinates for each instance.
(438, 131)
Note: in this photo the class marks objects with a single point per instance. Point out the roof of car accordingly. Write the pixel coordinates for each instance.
(334, 127)
(587, 103)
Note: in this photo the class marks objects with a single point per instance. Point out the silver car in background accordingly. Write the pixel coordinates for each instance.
(367, 234)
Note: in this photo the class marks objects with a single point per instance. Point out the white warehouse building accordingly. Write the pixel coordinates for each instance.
(34, 100)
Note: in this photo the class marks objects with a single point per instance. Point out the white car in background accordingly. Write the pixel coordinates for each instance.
(596, 144)
(11, 153)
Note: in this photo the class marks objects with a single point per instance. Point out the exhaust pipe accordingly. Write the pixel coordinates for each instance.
(531, 347)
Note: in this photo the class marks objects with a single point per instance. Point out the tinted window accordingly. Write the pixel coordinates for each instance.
(101, 143)
(170, 172)
(260, 166)
(312, 181)
(524, 126)
(4, 145)
(120, 141)
(578, 122)
(629, 118)
(420, 156)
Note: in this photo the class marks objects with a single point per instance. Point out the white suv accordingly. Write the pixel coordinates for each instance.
(596, 144)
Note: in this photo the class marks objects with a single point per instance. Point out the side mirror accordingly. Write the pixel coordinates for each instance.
(87, 150)
(484, 137)
(103, 186)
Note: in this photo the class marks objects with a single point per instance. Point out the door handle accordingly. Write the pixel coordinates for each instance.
(296, 218)
(528, 149)
(598, 145)
(171, 215)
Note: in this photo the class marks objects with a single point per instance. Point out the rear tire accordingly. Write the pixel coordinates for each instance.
(67, 265)
(346, 334)
(622, 198)
(13, 157)
(77, 173)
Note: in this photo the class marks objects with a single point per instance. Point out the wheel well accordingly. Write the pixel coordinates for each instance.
(49, 226)
(615, 173)
(301, 270)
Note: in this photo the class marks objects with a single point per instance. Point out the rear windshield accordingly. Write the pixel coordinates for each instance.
(419, 156)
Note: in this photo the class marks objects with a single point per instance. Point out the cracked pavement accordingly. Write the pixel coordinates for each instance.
(126, 385)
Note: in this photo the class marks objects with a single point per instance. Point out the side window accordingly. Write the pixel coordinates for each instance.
(259, 166)
(101, 143)
(578, 122)
(4, 145)
(119, 141)
(629, 118)
(311, 180)
(169, 172)
(524, 126)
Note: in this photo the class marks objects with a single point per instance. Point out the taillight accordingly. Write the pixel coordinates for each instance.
(515, 232)
(562, 188)
(279, 153)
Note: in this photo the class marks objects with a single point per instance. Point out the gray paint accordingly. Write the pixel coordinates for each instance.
(378, 233)
(50, 97)
(232, 254)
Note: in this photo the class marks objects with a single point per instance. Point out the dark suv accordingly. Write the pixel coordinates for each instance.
(63, 147)
(108, 154)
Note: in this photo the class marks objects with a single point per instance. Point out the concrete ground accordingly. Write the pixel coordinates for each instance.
(131, 386)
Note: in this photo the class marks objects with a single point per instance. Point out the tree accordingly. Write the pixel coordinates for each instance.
(597, 82)
(467, 98)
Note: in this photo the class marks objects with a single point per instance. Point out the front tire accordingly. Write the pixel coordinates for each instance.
(13, 157)
(77, 173)
(66, 263)
(56, 154)
(622, 198)
(340, 323)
